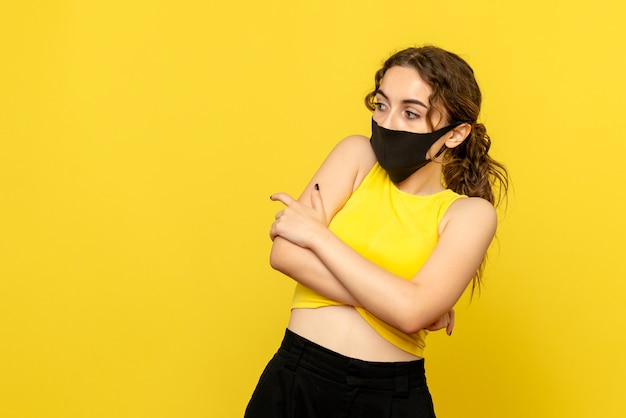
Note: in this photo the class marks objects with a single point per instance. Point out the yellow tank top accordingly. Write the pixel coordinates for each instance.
(396, 230)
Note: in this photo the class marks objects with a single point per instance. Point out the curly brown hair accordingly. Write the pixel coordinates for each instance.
(468, 168)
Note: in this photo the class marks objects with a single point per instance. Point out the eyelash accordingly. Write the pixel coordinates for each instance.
(410, 115)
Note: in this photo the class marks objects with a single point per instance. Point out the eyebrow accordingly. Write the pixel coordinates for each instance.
(405, 101)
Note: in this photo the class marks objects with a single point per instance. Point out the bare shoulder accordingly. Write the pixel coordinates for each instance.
(356, 147)
(341, 172)
(353, 153)
(472, 215)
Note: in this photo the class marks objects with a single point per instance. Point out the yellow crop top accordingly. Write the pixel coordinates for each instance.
(396, 230)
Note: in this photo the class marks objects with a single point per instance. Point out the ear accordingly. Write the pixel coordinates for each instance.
(458, 135)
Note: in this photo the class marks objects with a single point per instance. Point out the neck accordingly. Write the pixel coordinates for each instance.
(424, 182)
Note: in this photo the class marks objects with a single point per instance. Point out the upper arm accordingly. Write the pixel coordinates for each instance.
(341, 173)
(465, 235)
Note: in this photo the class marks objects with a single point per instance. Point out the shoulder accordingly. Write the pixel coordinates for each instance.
(355, 146)
(471, 215)
(341, 172)
(356, 152)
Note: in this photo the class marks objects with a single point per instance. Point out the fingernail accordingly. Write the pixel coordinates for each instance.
(317, 186)
(450, 334)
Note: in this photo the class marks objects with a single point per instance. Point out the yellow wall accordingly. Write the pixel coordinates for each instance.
(140, 142)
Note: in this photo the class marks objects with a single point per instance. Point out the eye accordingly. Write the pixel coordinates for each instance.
(380, 106)
(411, 115)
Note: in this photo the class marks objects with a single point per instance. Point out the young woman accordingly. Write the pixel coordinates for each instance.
(383, 242)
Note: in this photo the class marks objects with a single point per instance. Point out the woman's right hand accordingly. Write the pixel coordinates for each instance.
(298, 222)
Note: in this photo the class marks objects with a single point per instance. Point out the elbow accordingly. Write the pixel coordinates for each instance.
(277, 256)
(411, 320)
(275, 261)
(411, 325)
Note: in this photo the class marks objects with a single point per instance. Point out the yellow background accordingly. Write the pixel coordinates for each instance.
(140, 142)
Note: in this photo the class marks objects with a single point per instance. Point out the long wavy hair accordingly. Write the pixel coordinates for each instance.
(468, 168)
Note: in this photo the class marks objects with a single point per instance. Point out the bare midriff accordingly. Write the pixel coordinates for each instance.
(343, 330)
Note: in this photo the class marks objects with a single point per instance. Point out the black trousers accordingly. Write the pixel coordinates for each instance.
(306, 380)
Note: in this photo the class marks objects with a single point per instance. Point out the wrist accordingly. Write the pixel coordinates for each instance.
(321, 239)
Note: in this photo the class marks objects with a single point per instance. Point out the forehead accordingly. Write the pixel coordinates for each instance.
(405, 83)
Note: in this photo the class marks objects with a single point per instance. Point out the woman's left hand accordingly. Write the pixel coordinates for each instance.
(298, 222)
(446, 321)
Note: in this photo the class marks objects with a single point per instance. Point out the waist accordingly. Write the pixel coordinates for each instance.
(301, 352)
(343, 330)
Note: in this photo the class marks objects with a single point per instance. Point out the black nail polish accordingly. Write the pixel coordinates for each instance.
(317, 186)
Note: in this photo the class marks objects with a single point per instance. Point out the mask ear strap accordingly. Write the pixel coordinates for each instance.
(444, 147)
(441, 150)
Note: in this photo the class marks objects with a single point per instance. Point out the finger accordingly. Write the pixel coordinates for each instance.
(316, 198)
(435, 326)
(284, 198)
(450, 326)
(279, 214)
(439, 323)
(273, 231)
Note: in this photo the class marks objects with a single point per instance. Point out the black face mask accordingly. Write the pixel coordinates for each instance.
(402, 153)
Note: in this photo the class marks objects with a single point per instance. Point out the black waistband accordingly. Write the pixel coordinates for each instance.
(301, 352)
